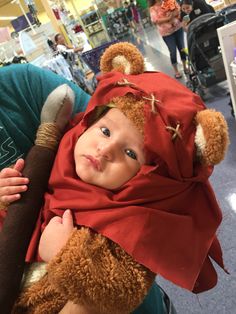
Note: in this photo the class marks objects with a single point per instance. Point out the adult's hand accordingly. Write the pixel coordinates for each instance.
(78, 49)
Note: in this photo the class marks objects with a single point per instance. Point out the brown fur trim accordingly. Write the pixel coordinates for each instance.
(132, 108)
(215, 131)
(40, 298)
(131, 54)
(93, 271)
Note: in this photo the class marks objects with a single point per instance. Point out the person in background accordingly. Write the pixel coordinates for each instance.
(78, 67)
(129, 15)
(33, 10)
(191, 9)
(51, 45)
(63, 47)
(135, 13)
(167, 20)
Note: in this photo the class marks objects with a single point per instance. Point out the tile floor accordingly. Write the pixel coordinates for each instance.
(221, 299)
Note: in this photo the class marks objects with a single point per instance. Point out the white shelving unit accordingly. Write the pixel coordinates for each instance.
(93, 26)
(227, 39)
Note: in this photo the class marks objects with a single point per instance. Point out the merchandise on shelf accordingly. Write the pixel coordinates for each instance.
(233, 66)
(117, 24)
(92, 22)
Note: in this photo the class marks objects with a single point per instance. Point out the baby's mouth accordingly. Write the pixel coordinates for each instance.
(94, 162)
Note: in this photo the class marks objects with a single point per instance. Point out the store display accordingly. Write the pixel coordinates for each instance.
(4, 34)
(65, 64)
(58, 64)
(92, 57)
(20, 23)
(216, 4)
(117, 24)
(33, 10)
(92, 22)
(27, 43)
(145, 17)
(227, 39)
(14, 60)
(233, 66)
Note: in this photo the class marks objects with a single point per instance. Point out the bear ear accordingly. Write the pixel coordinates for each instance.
(212, 138)
(58, 106)
(123, 57)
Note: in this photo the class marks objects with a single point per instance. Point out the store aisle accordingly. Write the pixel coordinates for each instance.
(221, 299)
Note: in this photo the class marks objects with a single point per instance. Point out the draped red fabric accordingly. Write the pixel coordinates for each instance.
(165, 217)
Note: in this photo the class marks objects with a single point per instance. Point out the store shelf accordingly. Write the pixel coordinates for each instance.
(89, 13)
(227, 39)
(93, 23)
(99, 30)
(217, 4)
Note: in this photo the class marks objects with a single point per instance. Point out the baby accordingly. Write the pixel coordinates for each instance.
(134, 174)
(107, 155)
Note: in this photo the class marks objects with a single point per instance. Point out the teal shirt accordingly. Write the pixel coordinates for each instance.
(23, 91)
(156, 302)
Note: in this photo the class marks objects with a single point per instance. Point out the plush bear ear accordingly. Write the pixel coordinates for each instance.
(123, 57)
(211, 137)
(58, 106)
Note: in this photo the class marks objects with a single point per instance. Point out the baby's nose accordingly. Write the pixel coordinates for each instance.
(107, 150)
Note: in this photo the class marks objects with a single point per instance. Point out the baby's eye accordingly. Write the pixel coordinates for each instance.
(105, 131)
(131, 154)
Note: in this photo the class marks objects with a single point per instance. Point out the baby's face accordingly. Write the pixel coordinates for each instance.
(110, 152)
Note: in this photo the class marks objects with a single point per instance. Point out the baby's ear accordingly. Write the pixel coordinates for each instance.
(211, 137)
(123, 57)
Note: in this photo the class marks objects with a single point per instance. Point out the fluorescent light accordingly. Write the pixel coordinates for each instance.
(232, 201)
(5, 18)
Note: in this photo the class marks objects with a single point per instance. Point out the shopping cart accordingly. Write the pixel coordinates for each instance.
(92, 57)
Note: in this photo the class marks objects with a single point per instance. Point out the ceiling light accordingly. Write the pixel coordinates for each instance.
(5, 18)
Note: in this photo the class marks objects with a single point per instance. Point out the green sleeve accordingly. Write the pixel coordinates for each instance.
(23, 90)
(156, 302)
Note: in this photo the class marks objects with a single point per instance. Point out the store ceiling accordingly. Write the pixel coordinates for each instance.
(4, 2)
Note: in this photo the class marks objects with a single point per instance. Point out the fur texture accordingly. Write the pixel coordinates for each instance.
(129, 52)
(132, 108)
(89, 270)
(215, 132)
